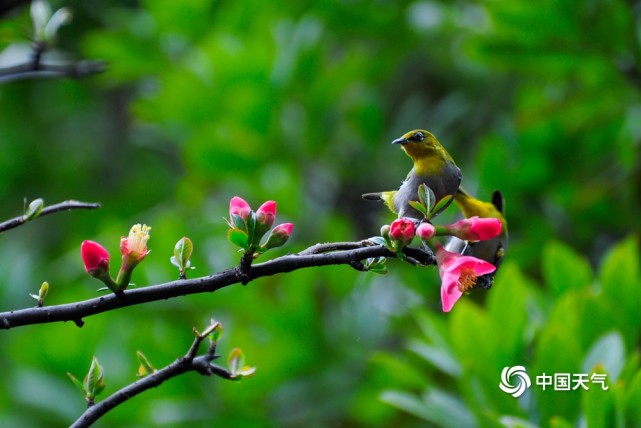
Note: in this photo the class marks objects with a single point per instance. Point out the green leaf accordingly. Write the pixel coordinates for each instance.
(620, 278)
(145, 368)
(441, 204)
(426, 197)
(182, 252)
(632, 400)
(564, 269)
(608, 351)
(378, 240)
(94, 381)
(418, 207)
(439, 357)
(235, 361)
(78, 384)
(34, 209)
(435, 406)
(238, 238)
(598, 405)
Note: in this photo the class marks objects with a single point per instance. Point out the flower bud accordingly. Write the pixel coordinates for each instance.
(95, 258)
(238, 207)
(134, 249)
(266, 214)
(425, 231)
(280, 234)
(402, 229)
(475, 228)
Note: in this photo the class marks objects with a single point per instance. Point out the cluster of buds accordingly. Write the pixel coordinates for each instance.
(247, 227)
(458, 272)
(133, 249)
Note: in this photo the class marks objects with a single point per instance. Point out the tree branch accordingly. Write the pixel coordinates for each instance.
(62, 206)
(38, 70)
(201, 364)
(77, 311)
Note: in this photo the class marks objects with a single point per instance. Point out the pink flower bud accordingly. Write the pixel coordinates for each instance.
(266, 214)
(238, 207)
(402, 229)
(280, 234)
(95, 258)
(458, 274)
(134, 246)
(475, 228)
(425, 231)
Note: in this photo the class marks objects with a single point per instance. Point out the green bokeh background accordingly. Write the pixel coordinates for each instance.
(297, 102)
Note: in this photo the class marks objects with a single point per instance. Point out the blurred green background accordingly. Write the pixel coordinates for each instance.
(297, 102)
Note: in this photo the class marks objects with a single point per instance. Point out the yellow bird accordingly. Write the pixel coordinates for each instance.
(433, 166)
(491, 250)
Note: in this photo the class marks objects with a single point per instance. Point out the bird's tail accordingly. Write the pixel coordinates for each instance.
(378, 196)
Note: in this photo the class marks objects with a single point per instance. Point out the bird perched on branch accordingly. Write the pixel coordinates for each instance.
(433, 166)
(491, 250)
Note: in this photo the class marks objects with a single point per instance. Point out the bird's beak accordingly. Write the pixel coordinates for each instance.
(400, 141)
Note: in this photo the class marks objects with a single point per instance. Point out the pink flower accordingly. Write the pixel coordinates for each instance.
(238, 207)
(402, 229)
(266, 214)
(458, 274)
(95, 257)
(134, 246)
(280, 234)
(425, 231)
(475, 228)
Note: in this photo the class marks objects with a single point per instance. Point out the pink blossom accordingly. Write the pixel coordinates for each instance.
(94, 256)
(425, 231)
(476, 229)
(458, 274)
(266, 214)
(279, 235)
(134, 246)
(238, 207)
(402, 229)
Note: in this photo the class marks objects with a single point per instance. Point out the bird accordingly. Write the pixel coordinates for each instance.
(491, 250)
(433, 166)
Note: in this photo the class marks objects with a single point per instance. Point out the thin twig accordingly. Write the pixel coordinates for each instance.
(201, 364)
(77, 311)
(62, 206)
(36, 69)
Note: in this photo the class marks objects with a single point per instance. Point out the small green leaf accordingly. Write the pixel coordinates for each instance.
(238, 222)
(235, 361)
(378, 240)
(215, 335)
(78, 384)
(238, 238)
(145, 368)
(376, 265)
(441, 204)
(426, 197)
(182, 253)
(94, 381)
(418, 207)
(34, 209)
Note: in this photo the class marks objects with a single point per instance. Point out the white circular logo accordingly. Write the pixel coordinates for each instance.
(523, 381)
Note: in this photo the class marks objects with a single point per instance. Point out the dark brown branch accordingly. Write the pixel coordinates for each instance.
(36, 69)
(77, 311)
(201, 364)
(62, 206)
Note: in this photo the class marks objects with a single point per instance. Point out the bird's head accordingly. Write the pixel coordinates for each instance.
(419, 144)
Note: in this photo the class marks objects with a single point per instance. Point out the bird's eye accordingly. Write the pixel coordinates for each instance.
(419, 136)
